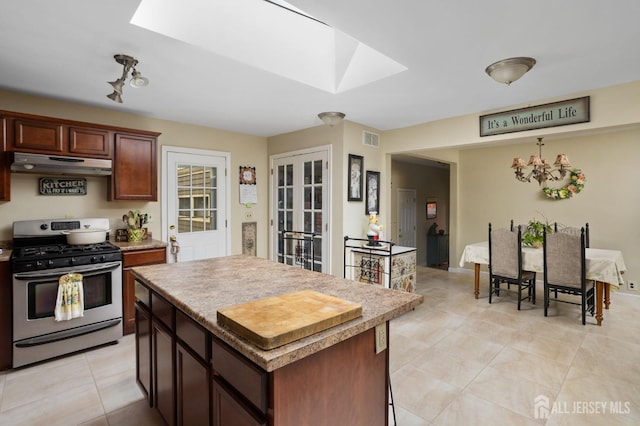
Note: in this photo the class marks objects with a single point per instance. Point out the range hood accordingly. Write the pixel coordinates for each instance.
(38, 163)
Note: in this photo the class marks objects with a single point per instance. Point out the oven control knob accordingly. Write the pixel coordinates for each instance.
(39, 264)
(50, 263)
(72, 261)
(44, 226)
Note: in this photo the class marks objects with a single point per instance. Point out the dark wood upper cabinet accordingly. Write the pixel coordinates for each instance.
(132, 151)
(38, 135)
(135, 168)
(94, 142)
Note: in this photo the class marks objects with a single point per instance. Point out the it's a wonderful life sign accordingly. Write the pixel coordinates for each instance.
(537, 117)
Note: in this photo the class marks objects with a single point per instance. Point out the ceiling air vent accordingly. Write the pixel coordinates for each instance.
(370, 139)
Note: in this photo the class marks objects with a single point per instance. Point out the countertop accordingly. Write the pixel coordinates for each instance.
(138, 245)
(199, 288)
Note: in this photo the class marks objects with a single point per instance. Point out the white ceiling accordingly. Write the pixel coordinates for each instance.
(64, 49)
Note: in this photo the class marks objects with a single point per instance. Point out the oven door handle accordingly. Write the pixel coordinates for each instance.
(87, 270)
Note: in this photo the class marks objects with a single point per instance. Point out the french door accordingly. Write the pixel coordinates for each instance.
(300, 190)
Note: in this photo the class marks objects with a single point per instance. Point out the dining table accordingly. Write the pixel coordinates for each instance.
(603, 266)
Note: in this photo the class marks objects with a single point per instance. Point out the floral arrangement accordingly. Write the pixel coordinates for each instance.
(135, 219)
(576, 184)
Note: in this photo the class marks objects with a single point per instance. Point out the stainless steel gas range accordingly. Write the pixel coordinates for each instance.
(39, 258)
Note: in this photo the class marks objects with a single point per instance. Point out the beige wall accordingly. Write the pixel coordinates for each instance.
(609, 201)
(483, 187)
(26, 203)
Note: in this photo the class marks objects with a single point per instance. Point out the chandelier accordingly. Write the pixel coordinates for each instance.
(541, 168)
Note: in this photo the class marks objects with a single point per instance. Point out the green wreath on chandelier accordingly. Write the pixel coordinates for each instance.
(575, 185)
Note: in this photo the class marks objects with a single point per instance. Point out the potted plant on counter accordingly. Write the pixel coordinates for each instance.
(135, 220)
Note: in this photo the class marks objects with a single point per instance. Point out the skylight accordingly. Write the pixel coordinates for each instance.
(289, 43)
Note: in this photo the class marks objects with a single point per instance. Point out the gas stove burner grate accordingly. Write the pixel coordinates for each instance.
(56, 250)
(38, 250)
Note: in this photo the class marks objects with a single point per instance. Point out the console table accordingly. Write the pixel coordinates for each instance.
(437, 249)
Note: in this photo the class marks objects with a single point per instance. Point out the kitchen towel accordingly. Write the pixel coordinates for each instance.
(70, 300)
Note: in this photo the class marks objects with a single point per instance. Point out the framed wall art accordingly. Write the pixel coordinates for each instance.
(373, 192)
(354, 189)
(432, 209)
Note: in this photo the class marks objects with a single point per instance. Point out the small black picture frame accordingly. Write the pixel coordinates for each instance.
(432, 209)
(372, 203)
(354, 180)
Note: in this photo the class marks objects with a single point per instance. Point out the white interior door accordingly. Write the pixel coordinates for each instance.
(300, 190)
(196, 192)
(407, 217)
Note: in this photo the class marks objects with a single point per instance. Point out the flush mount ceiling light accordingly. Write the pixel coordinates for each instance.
(509, 70)
(137, 80)
(331, 118)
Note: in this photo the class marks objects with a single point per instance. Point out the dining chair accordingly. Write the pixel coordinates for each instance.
(522, 226)
(565, 271)
(505, 264)
(573, 230)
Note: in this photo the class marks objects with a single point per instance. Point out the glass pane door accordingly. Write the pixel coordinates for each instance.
(301, 206)
(197, 204)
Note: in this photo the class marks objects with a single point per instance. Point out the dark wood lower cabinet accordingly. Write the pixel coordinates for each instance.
(197, 379)
(131, 258)
(229, 409)
(164, 395)
(143, 351)
(192, 382)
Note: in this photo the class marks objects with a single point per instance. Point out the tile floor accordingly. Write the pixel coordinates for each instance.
(454, 361)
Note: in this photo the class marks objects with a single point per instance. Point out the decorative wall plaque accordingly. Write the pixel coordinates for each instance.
(249, 231)
(63, 186)
(555, 114)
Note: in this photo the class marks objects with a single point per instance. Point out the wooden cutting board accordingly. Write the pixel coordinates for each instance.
(276, 321)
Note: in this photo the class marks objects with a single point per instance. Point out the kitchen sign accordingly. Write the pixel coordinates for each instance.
(63, 186)
(538, 117)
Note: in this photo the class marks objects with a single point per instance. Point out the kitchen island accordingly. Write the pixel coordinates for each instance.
(332, 377)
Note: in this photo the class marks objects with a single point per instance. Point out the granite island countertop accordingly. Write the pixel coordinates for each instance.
(199, 288)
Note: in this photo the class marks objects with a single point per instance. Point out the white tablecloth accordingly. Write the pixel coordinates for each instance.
(602, 265)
